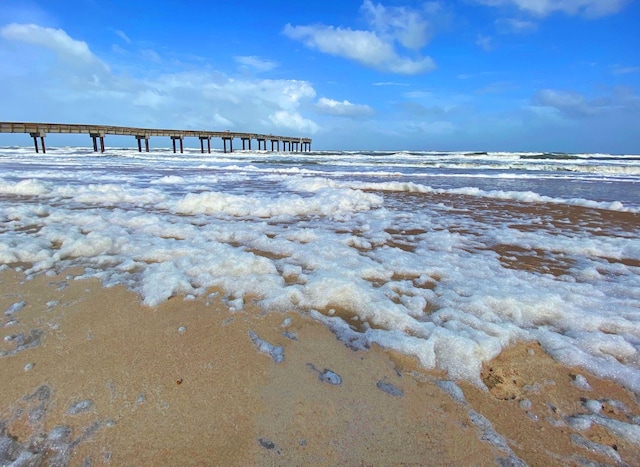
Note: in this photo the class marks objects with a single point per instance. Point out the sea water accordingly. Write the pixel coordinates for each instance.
(448, 257)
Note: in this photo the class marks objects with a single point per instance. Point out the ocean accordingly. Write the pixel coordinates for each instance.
(449, 257)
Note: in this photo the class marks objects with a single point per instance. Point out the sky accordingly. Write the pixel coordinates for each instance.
(464, 75)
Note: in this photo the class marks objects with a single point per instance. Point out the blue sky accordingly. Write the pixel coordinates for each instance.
(496, 75)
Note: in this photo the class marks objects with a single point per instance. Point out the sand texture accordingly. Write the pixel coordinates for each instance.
(89, 376)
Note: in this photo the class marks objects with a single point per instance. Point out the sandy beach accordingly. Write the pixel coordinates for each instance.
(92, 377)
(320, 233)
(264, 310)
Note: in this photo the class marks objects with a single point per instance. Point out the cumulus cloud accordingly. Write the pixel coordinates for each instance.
(568, 103)
(220, 121)
(56, 40)
(589, 8)
(409, 27)
(343, 109)
(80, 87)
(293, 121)
(257, 63)
(364, 47)
(575, 105)
(374, 47)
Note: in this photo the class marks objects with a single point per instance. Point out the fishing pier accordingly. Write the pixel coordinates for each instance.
(38, 131)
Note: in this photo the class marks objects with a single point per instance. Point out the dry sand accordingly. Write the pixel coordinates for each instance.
(89, 376)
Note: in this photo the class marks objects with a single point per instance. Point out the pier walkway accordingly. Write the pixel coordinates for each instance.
(98, 133)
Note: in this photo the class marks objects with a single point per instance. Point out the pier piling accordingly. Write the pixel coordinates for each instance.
(173, 141)
(224, 143)
(146, 142)
(94, 137)
(202, 138)
(39, 134)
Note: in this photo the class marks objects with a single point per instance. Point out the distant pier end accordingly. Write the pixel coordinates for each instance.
(38, 131)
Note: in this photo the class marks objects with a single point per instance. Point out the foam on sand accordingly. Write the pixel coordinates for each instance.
(449, 275)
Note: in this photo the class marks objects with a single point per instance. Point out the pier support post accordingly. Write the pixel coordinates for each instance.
(224, 142)
(202, 138)
(146, 142)
(94, 137)
(173, 140)
(39, 134)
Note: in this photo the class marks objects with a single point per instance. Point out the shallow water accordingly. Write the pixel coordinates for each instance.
(448, 257)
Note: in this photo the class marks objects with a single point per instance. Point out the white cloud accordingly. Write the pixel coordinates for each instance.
(515, 26)
(342, 109)
(57, 40)
(151, 55)
(293, 121)
(257, 63)
(484, 42)
(149, 98)
(407, 26)
(73, 89)
(589, 8)
(122, 36)
(623, 70)
(568, 103)
(433, 128)
(497, 87)
(375, 47)
(365, 47)
(576, 105)
(389, 83)
(280, 94)
(222, 122)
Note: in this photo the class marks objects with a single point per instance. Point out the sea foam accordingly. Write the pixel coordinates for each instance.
(339, 236)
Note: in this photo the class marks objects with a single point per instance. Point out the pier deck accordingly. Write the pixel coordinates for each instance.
(98, 133)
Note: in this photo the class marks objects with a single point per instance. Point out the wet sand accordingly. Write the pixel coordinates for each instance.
(92, 377)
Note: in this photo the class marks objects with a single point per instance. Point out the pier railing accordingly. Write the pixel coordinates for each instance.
(98, 133)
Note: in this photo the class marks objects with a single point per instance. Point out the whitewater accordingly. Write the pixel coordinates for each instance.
(447, 257)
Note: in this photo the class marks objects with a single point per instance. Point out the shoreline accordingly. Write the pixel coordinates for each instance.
(105, 379)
